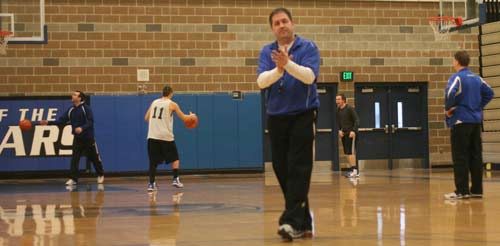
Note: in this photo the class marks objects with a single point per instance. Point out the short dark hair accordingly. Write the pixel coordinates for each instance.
(463, 58)
(341, 95)
(279, 10)
(167, 90)
(81, 95)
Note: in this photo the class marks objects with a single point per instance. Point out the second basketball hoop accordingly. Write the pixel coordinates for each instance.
(4, 39)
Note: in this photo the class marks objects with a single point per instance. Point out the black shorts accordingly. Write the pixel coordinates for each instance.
(349, 144)
(162, 151)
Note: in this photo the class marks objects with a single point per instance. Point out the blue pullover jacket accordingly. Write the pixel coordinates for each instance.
(290, 96)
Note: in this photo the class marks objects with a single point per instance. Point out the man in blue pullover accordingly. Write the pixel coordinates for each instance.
(81, 118)
(287, 72)
(466, 96)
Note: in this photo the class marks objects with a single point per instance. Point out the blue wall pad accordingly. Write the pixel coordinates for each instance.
(228, 137)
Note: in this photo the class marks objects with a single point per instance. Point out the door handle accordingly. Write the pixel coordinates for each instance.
(371, 129)
(386, 129)
(412, 128)
(394, 128)
(367, 129)
(323, 130)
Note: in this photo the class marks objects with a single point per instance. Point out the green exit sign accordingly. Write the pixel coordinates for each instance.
(346, 76)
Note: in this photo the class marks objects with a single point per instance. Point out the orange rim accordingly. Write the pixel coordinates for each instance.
(5, 33)
(440, 19)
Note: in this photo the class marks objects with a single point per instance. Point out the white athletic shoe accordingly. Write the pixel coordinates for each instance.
(152, 187)
(70, 182)
(177, 183)
(455, 196)
(100, 179)
(354, 173)
(287, 232)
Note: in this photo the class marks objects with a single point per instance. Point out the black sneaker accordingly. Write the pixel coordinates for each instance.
(455, 196)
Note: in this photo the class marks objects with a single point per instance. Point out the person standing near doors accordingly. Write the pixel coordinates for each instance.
(466, 96)
(288, 70)
(348, 123)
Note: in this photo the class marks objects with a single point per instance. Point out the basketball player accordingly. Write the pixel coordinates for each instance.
(161, 144)
(288, 70)
(466, 96)
(348, 123)
(81, 118)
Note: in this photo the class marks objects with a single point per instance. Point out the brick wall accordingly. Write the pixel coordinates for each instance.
(212, 45)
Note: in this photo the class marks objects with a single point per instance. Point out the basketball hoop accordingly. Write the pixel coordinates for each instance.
(4, 39)
(441, 25)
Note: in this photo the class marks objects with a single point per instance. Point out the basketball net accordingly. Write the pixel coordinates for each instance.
(441, 26)
(4, 39)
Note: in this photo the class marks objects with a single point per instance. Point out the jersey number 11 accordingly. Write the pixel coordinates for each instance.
(159, 115)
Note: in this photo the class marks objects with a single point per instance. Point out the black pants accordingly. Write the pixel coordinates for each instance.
(467, 157)
(292, 140)
(160, 151)
(89, 147)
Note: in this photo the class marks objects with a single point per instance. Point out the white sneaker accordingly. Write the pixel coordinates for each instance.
(287, 232)
(455, 196)
(177, 183)
(152, 187)
(354, 173)
(70, 182)
(100, 179)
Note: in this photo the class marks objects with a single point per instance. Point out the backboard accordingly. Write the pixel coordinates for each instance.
(25, 18)
(467, 10)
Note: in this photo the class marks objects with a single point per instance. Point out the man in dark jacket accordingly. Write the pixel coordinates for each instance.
(81, 118)
(348, 123)
(466, 96)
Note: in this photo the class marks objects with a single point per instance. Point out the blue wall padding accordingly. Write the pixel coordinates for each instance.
(9, 162)
(206, 148)
(250, 132)
(229, 134)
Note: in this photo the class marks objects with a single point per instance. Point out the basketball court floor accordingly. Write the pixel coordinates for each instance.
(399, 207)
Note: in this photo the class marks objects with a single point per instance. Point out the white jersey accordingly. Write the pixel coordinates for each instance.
(161, 120)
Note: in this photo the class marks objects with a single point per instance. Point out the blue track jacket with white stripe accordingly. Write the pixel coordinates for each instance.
(78, 116)
(468, 93)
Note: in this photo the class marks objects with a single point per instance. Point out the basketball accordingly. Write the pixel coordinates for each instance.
(191, 122)
(25, 125)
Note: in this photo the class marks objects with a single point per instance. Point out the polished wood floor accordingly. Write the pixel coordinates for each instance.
(383, 208)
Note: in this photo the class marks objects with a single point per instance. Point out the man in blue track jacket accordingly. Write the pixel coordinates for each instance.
(81, 118)
(466, 96)
(287, 72)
